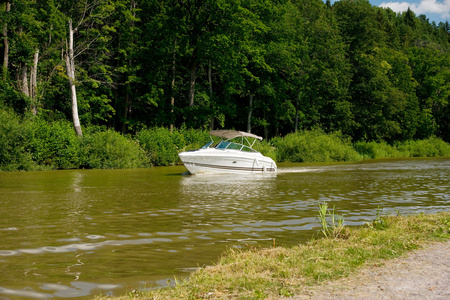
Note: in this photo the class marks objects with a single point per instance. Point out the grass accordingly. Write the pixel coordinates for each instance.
(283, 272)
(332, 223)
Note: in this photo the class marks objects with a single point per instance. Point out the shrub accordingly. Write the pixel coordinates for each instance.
(161, 145)
(194, 138)
(55, 145)
(373, 150)
(430, 147)
(110, 150)
(15, 136)
(315, 146)
(266, 149)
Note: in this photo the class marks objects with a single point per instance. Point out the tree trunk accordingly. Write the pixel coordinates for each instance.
(33, 82)
(192, 82)
(211, 122)
(70, 68)
(6, 44)
(296, 111)
(266, 130)
(172, 98)
(250, 112)
(127, 111)
(24, 80)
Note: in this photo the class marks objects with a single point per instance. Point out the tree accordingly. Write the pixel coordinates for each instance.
(70, 68)
(5, 41)
(92, 36)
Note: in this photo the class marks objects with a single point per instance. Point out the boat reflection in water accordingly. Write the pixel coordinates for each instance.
(220, 187)
(232, 154)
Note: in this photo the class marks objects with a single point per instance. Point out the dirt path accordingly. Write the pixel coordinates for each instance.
(423, 274)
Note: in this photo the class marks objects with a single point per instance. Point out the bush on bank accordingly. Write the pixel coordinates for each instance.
(315, 146)
(15, 137)
(55, 145)
(35, 144)
(111, 150)
(431, 147)
(163, 145)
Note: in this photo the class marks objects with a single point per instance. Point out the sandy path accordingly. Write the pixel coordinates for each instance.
(423, 274)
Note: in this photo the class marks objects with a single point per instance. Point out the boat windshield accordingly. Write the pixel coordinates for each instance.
(234, 146)
(207, 145)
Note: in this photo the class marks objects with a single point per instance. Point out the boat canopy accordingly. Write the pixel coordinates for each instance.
(229, 134)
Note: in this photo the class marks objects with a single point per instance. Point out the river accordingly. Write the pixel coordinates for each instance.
(76, 233)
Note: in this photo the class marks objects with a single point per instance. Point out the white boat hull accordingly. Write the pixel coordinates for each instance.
(213, 160)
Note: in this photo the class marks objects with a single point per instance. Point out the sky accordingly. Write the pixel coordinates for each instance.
(434, 10)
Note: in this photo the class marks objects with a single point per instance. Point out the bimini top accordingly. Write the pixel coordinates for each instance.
(229, 134)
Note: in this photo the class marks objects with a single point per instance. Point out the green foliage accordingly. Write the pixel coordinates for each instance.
(111, 150)
(55, 145)
(15, 137)
(161, 144)
(430, 147)
(202, 61)
(266, 149)
(387, 79)
(193, 139)
(11, 98)
(315, 146)
(380, 221)
(332, 224)
(373, 150)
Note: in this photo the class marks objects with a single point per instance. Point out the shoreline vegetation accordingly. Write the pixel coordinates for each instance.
(35, 144)
(277, 272)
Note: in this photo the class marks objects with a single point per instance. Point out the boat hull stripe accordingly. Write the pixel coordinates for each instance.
(229, 167)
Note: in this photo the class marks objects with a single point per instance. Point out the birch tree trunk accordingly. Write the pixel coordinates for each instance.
(33, 82)
(6, 44)
(24, 80)
(172, 98)
(70, 68)
(192, 82)
(250, 112)
(296, 111)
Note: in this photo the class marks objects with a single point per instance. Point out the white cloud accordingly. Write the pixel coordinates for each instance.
(424, 7)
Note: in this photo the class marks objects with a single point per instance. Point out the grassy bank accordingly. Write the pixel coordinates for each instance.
(282, 272)
(35, 144)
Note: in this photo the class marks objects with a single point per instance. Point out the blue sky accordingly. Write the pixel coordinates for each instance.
(434, 10)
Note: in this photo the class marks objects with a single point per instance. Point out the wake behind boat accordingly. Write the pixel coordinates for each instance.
(233, 154)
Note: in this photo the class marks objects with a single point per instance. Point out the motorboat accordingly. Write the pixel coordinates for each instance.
(234, 153)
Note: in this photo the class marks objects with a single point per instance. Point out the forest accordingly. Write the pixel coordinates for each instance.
(270, 67)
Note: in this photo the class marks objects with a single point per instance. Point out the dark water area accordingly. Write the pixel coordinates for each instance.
(77, 233)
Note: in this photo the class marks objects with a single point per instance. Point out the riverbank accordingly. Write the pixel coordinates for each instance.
(35, 144)
(420, 275)
(311, 269)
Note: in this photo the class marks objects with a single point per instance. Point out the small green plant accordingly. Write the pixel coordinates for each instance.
(332, 224)
(380, 222)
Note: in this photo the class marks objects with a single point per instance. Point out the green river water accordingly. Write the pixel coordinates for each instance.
(76, 233)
